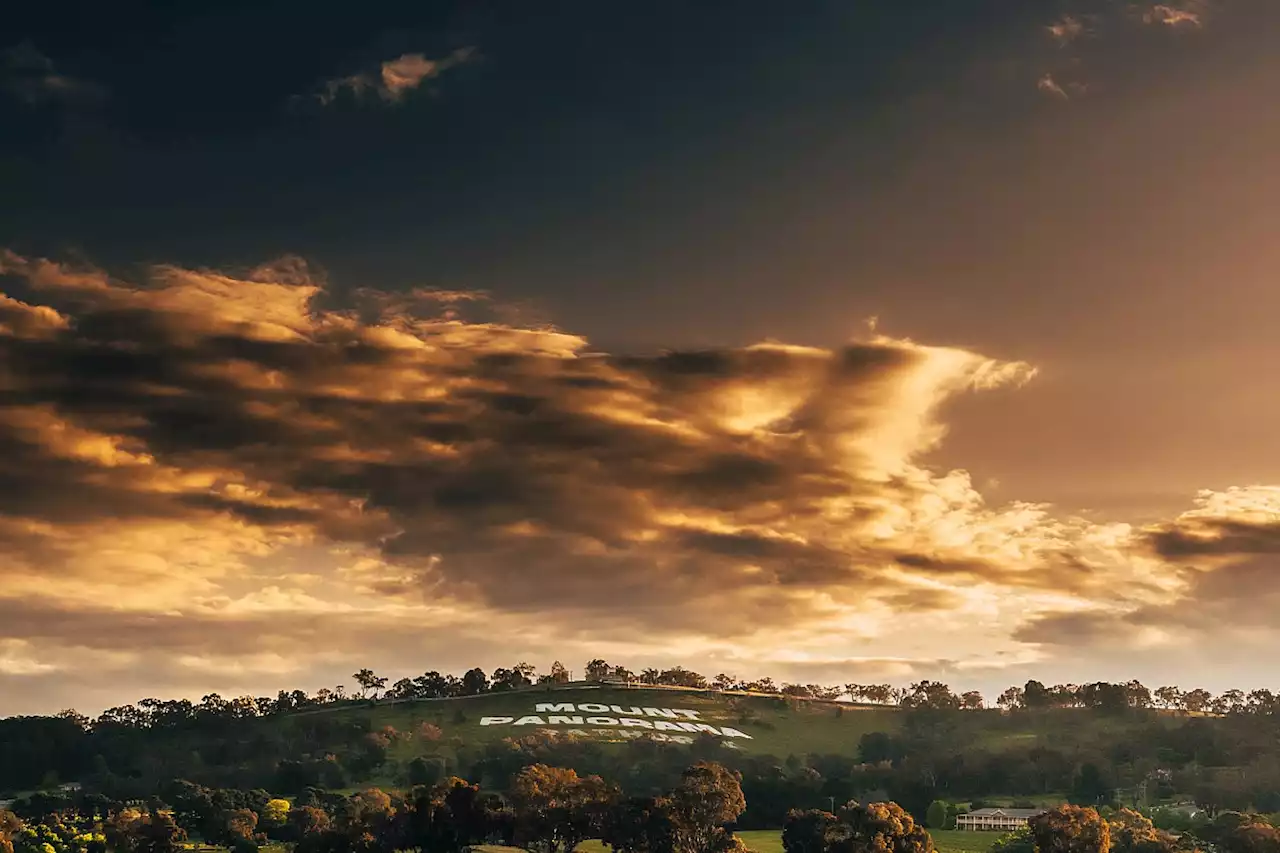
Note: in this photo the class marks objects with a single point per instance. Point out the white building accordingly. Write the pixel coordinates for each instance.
(997, 820)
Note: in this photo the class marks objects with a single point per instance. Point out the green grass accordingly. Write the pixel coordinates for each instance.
(776, 726)
(762, 840)
(770, 841)
(946, 840)
(963, 841)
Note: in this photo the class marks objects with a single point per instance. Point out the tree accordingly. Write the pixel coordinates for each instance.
(1261, 701)
(597, 670)
(307, 820)
(521, 675)
(241, 829)
(154, 832)
(875, 747)
(275, 813)
(723, 681)
(930, 694)
(971, 700)
(1230, 702)
(1010, 699)
(1197, 701)
(369, 682)
(1035, 695)
(474, 681)
(9, 826)
(708, 797)
(936, 816)
(555, 810)
(1132, 832)
(808, 831)
(1070, 829)
(1168, 697)
(1089, 787)
(678, 676)
(639, 825)
(1019, 841)
(558, 675)
(449, 817)
(1139, 695)
(878, 828)
(879, 694)
(1252, 837)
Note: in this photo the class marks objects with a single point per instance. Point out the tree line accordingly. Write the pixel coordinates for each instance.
(554, 810)
(1103, 696)
(1093, 744)
(544, 810)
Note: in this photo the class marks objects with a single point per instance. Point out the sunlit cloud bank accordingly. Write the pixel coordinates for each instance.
(210, 481)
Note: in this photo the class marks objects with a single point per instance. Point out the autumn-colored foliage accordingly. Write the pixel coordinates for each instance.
(1071, 829)
(878, 828)
(556, 809)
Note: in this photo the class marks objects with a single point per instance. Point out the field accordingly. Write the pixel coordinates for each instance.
(776, 726)
(961, 841)
(770, 841)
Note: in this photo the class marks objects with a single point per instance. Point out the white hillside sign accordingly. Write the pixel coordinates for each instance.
(678, 725)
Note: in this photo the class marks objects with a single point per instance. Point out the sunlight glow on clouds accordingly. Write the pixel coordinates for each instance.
(214, 469)
(394, 78)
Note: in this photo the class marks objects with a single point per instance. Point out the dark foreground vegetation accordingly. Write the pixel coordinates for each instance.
(924, 747)
(554, 810)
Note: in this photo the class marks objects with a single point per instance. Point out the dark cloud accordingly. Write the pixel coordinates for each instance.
(1216, 536)
(528, 472)
(1077, 630)
(169, 441)
(31, 76)
(394, 78)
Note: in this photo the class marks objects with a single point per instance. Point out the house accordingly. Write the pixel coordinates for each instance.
(999, 820)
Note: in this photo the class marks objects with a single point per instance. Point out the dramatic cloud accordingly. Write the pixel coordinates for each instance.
(214, 469)
(1225, 558)
(31, 76)
(394, 78)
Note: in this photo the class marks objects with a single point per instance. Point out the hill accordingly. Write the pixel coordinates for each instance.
(748, 723)
(791, 752)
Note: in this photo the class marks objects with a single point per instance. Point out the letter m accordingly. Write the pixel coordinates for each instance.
(552, 707)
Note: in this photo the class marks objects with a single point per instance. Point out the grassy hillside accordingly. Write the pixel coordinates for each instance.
(775, 725)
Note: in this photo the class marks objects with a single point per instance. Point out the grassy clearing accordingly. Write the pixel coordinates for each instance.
(770, 841)
(963, 841)
(946, 840)
(762, 840)
(776, 726)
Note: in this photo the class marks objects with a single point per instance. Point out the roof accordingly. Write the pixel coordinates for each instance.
(1028, 813)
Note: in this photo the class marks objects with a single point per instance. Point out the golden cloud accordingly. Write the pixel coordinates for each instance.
(217, 467)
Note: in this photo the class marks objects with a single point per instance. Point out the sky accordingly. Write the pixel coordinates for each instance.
(831, 341)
